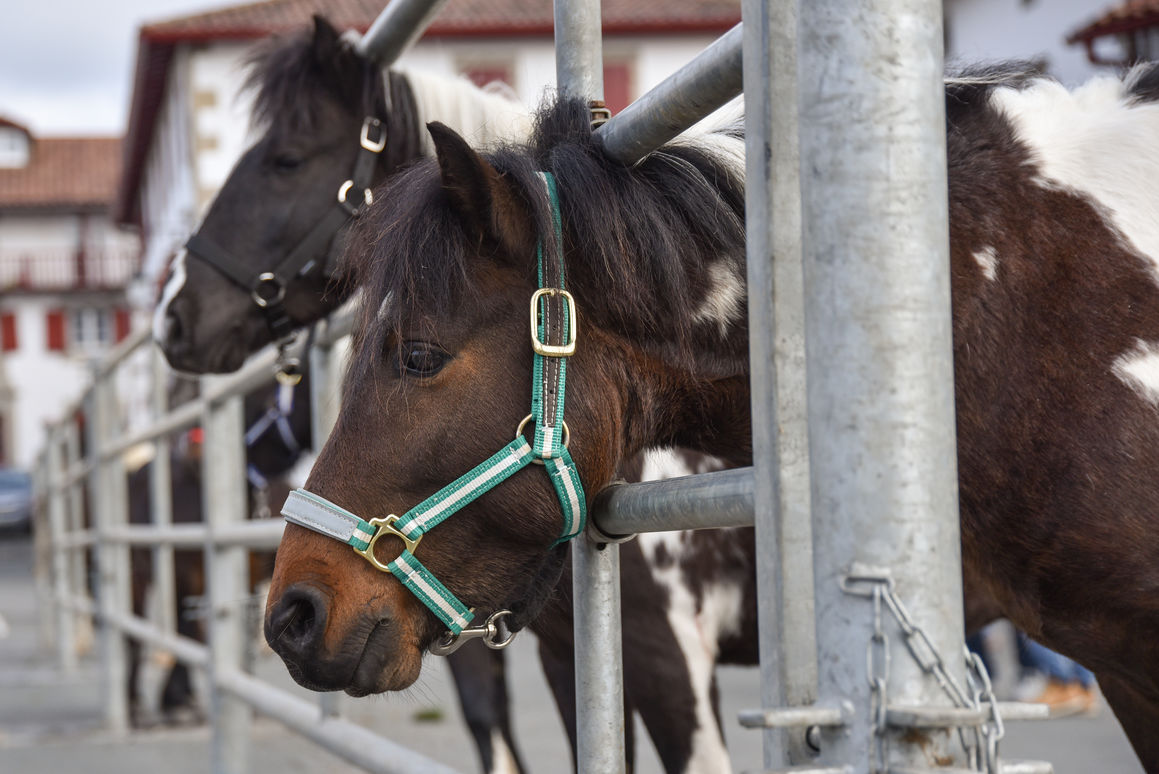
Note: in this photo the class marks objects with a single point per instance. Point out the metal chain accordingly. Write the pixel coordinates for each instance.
(877, 669)
(979, 742)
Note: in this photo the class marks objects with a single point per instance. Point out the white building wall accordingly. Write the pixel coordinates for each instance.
(989, 30)
(42, 382)
(221, 128)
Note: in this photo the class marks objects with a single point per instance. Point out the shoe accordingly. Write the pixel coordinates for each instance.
(1091, 705)
(1063, 698)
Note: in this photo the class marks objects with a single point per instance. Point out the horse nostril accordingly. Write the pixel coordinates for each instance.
(295, 626)
(174, 330)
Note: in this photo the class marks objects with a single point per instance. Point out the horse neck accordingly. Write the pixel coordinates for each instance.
(482, 118)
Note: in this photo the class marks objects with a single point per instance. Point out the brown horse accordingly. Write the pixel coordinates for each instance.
(314, 92)
(1056, 311)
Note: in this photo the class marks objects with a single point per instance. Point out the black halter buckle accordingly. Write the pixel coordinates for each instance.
(268, 290)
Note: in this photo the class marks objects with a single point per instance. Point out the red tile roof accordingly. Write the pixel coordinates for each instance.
(1124, 17)
(64, 172)
(459, 18)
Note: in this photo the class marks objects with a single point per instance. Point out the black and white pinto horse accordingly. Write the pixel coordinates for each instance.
(1054, 249)
(314, 94)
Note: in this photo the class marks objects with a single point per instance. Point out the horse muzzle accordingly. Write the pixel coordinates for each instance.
(372, 656)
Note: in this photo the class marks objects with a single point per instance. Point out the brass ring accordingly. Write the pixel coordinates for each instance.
(523, 424)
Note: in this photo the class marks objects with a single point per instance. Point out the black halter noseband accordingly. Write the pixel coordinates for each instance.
(268, 288)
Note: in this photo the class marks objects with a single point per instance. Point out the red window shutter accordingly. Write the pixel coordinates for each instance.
(8, 340)
(617, 86)
(55, 326)
(123, 321)
(484, 74)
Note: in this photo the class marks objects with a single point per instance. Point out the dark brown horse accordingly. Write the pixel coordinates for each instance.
(314, 93)
(1055, 259)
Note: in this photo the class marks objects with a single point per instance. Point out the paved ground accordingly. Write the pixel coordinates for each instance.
(51, 723)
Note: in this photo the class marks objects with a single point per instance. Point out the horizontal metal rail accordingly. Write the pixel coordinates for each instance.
(356, 744)
(254, 534)
(398, 26)
(704, 501)
(679, 101)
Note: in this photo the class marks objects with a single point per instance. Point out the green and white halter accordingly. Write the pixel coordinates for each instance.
(553, 335)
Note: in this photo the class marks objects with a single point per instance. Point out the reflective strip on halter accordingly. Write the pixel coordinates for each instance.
(548, 381)
(308, 510)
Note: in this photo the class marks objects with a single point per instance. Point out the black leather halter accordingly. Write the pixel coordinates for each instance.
(268, 288)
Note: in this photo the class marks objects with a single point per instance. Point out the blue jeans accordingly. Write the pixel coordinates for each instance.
(1032, 654)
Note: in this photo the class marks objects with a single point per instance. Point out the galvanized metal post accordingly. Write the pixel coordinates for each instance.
(397, 27)
(110, 510)
(75, 517)
(880, 377)
(224, 487)
(788, 649)
(161, 500)
(599, 671)
(325, 388)
(53, 482)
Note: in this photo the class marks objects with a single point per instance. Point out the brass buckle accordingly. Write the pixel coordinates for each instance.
(374, 146)
(386, 527)
(554, 350)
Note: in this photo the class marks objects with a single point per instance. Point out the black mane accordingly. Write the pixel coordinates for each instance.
(290, 73)
(639, 237)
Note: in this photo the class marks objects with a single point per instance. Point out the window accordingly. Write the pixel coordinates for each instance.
(90, 330)
(617, 86)
(483, 74)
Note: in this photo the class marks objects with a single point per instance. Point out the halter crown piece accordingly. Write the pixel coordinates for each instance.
(553, 335)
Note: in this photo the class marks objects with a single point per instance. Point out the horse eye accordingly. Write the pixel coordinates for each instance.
(284, 163)
(418, 358)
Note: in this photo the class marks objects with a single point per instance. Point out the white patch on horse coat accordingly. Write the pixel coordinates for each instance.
(1096, 141)
(726, 294)
(502, 759)
(1139, 370)
(660, 464)
(482, 118)
(699, 646)
(172, 288)
(987, 258)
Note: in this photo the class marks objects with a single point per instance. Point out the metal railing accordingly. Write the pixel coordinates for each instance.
(66, 268)
(883, 475)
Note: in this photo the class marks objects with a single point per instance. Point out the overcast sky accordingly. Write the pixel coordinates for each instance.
(66, 65)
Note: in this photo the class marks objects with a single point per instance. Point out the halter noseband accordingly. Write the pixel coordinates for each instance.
(553, 335)
(267, 289)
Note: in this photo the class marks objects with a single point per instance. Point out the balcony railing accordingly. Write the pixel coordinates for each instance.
(66, 269)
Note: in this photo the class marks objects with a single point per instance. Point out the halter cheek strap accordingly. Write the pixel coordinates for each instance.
(553, 335)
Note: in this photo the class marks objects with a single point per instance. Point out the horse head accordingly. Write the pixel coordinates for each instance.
(262, 260)
(441, 379)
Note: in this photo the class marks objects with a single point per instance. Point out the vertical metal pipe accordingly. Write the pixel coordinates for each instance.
(880, 377)
(325, 384)
(788, 647)
(53, 481)
(579, 49)
(599, 671)
(161, 500)
(111, 558)
(227, 576)
(75, 517)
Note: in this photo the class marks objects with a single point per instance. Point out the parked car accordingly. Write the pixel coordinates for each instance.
(15, 500)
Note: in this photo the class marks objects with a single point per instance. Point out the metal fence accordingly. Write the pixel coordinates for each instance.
(862, 661)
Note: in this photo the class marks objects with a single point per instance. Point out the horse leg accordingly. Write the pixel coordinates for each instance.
(177, 692)
(558, 663)
(1137, 714)
(670, 679)
(140, 563)
(481, 682)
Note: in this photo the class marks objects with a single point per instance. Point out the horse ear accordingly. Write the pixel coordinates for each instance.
(484, 201)
(326, 40)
